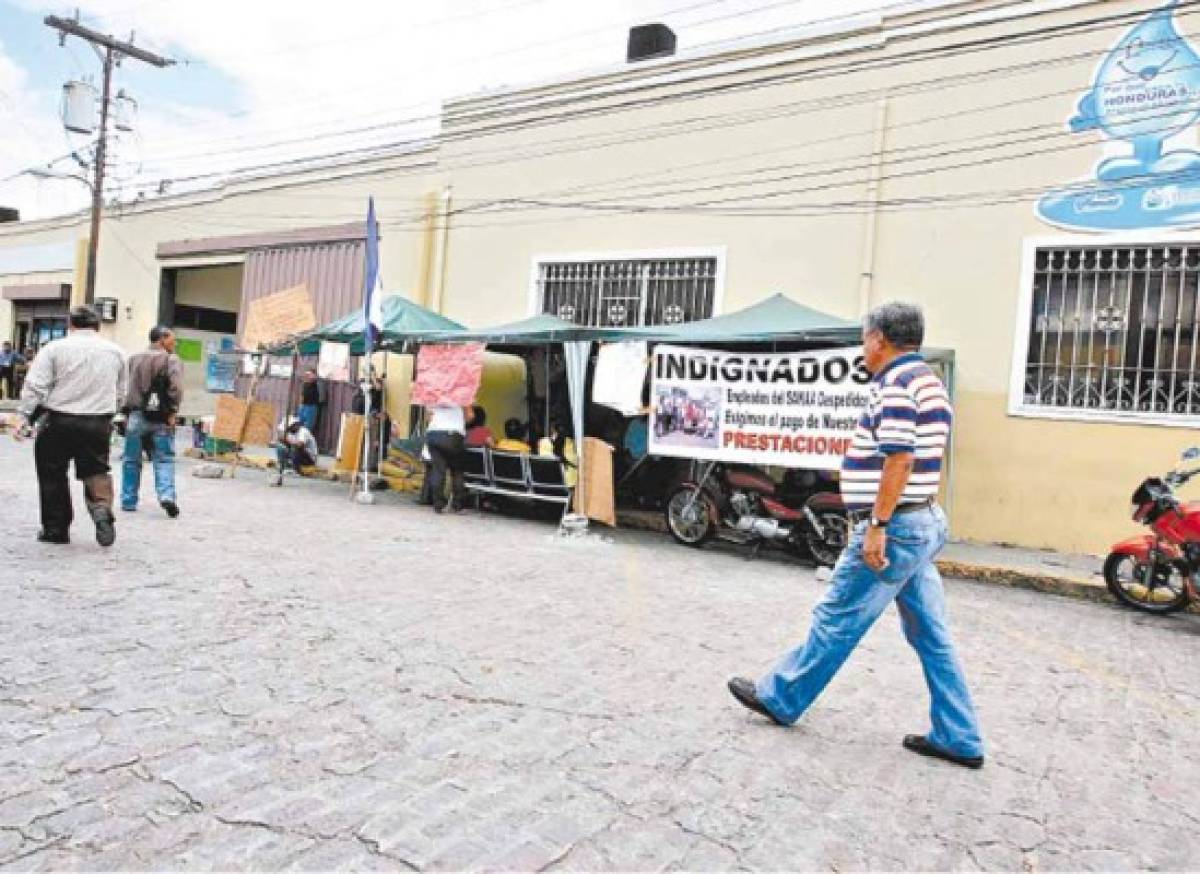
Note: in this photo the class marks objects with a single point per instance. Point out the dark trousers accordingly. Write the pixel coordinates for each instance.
(445, 450)
(8, 383)
(295, 457)
(83, 440)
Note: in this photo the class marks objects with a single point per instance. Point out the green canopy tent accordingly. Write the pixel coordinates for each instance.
(403, 321)
(776, 319)
(535, 331)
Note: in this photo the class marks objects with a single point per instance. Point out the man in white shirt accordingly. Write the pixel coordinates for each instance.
(74, 387)
(445, 440)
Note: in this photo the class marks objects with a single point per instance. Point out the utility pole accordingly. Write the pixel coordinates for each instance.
(113, 51)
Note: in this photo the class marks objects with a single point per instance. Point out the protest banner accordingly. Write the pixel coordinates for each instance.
(277, 317)
(221, 370)
(448, 374)
(795, 409)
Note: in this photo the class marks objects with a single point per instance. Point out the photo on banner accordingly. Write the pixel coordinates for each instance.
(793, 409)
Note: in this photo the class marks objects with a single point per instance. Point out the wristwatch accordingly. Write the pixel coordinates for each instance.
(876, 522)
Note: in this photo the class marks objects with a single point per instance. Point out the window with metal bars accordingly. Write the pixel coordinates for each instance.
(627, 292)
(1115, 329)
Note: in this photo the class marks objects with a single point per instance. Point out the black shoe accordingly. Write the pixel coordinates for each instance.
(439, 508)
(922, 747)
(106, 529)
(171, 507)
(53, 537)
(743, 690)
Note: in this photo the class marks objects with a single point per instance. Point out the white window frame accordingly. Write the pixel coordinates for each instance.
(534, 305)
(1016, 386)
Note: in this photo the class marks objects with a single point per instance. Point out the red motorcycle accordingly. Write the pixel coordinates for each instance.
(1156, 572)
(804, 513)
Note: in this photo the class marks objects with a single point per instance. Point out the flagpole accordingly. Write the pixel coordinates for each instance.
(365, 458)
(372, 323)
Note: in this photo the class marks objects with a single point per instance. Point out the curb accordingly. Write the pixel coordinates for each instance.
(1071, 587)
(997, 575)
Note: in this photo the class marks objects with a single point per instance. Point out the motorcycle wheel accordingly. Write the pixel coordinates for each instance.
(1122, 580)
(690, 516)
(826, 550)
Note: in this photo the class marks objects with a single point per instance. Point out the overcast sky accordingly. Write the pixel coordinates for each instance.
(260, 80)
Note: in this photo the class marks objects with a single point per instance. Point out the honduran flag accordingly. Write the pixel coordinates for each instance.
(372, 284)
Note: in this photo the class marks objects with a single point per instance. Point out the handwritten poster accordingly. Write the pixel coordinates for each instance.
(448, 374)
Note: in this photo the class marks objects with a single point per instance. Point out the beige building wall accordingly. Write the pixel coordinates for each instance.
(1027, 481)
(28, 235)
(129, 268)
(7, 313)
(854, 225)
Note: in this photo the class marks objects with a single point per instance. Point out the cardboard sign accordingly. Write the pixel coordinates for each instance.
(798, 409)
(276, 317)
(448, 375)
(247, 424)
(598, 500)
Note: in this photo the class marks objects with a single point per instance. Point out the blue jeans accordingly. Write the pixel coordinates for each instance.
(158, 439)
(307, 414)
(856, 597)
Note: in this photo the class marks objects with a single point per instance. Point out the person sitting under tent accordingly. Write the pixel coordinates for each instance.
(478, 433)
(561, 446)
(514, 438)
(297, 449)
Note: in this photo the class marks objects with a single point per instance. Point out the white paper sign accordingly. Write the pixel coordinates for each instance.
(796, 409)
(334, 362)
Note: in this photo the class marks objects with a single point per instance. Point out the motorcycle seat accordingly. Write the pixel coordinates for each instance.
(782, 511)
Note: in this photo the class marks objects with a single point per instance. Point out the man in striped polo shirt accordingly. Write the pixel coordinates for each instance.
(890, 480)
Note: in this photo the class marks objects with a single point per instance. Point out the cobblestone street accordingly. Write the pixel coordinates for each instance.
(283, 679)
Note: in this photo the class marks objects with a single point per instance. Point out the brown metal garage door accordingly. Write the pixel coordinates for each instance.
(334, 275)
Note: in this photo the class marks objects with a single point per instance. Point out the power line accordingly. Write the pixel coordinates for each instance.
(729, 206)
(557, 40)
(1052, 32)
(415, 120)
(628, 179)
(573, 205)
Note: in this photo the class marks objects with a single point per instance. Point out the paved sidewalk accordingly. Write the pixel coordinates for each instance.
(281, 678)
(1043, 570)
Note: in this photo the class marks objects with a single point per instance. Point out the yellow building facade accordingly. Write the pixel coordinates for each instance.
(980, 158)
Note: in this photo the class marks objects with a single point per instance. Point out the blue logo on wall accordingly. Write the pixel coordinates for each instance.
(1146, 91)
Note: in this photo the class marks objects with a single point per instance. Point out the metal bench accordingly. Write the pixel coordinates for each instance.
(516, 475)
